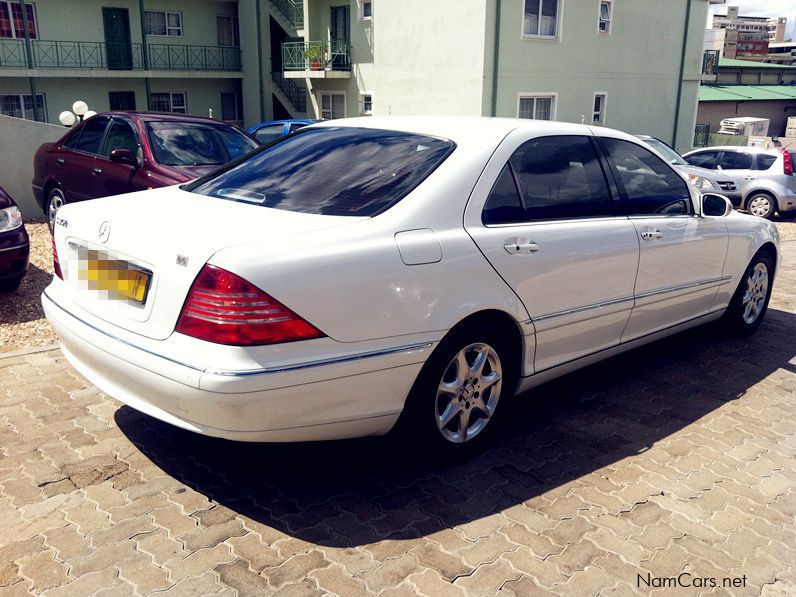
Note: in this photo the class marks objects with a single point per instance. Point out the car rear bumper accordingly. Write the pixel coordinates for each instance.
(786, 202)
(312, 401)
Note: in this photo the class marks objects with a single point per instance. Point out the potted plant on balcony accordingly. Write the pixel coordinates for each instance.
(314, 55)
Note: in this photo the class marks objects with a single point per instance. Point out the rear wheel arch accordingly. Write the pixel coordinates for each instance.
(758, 191)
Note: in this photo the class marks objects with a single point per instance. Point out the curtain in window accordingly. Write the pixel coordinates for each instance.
(5, 21)
(541, 17)
(10, 105)
(155, 23)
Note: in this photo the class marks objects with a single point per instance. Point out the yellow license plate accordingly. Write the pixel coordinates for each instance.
(120, 279)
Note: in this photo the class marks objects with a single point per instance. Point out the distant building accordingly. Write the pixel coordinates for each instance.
(738, 36)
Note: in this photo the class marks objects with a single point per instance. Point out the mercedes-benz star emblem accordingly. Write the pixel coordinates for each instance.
(104, 231)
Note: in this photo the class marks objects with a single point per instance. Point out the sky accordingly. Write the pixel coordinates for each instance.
(762, 8)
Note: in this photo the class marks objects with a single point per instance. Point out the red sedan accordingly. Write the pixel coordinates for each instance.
(120, 152)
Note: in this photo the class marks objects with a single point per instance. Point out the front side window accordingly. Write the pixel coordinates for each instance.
(537, 107)
(606, 13)
(11, 22)
(598, 112)
(561, 177)
(91, 135)
(540, 18)
(120, 136)
(332, 105)
(649, 185)
(163, 23)
(196, 144)
(704, 159)
(736, 160)
(332, 171)
(169, 102)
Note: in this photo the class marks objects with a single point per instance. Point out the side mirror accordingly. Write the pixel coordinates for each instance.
(716, 206)
(124, 156)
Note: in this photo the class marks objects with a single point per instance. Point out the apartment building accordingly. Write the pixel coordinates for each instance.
(773, 27)
(591, 61)
(123, 54)
(748, 38)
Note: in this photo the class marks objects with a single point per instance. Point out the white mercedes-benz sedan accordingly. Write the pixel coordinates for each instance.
(366, 274)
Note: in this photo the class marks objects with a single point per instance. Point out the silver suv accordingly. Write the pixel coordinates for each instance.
(705, 180)
(764, 175)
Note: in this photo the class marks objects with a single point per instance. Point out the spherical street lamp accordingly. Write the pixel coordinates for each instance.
(80, 108)
(67, 118)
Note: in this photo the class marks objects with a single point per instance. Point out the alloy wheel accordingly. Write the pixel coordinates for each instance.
(55, 202)
(756, 291)
(468, 392)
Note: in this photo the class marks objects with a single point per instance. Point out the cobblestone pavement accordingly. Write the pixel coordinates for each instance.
(678, 457)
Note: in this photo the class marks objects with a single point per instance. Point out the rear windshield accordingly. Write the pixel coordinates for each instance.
(196, 144)
(331, 171)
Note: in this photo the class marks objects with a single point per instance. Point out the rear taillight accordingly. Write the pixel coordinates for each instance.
(787, 162)
(226, 309)
(56, 263)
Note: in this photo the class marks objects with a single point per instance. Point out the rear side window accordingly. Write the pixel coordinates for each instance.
(736, 160)
(704, 159)
(268, 133)
(332, 171)
(503, 206)
(561, 177)
(765, 161)
(91, 136)
(650, 186)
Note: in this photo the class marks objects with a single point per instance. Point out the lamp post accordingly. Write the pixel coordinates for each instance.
(79, 112)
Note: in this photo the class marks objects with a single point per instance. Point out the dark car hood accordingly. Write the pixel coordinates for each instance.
(5, 199)
(187, 173)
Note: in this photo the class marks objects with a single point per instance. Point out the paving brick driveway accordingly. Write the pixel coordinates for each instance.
(678, 457)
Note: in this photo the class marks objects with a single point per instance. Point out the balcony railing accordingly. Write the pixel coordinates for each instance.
(91, 54)
(316, 55)
(293, 11)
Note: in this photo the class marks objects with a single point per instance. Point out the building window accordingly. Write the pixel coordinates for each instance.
(541, 18)
(11, 23)
(21, 106)
(367, 103)
(537, 107)
(332, 105)
(231, 107)
(163, 23)
(121, 100)
(606, 12)
(168, 102)
(365, 10)
(228, 36)
(598, 113)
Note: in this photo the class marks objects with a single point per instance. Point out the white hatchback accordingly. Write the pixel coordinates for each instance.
(363, 271)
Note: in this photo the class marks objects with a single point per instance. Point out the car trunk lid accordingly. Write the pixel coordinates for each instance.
(163, 237)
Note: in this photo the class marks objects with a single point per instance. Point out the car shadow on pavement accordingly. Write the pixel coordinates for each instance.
(351, 493)
(24, 304)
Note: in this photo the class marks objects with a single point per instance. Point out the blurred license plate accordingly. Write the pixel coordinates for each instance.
(120, 279)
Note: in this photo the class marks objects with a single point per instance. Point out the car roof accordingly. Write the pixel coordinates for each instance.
(461, 129)
(163, 116)
(768, 150)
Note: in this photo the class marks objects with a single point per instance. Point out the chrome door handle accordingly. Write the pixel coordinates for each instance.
(59, 161)
(651, 234)
(750, 177)
(516, 248)
(97, 171)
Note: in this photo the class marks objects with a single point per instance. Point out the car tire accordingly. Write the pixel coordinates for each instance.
(761, 204)
(451, 409)
(55, 201)
(748, 306)
(11, 284)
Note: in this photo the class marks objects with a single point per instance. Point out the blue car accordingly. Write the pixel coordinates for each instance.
(269, 131)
